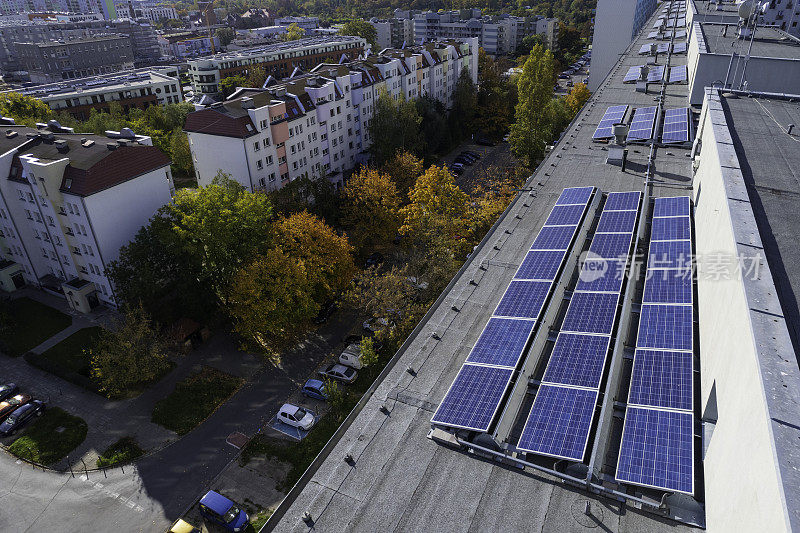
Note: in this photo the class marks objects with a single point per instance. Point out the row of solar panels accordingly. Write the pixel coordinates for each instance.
(677, 74)
(663, 48)
(676, 125)
(474, 397)
(657, 447)
(563, 411)
(679, 35)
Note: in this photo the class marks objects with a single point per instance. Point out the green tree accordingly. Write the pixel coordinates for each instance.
(394, 127)
(495, 104)
(337, 398)
(465, 103)
(404, 169)
(371, 208)
(577, 97)
(229, 84)
(24, 109)
(317, 196)
(386, 297)
(256, 76)
(180, 153)
(225, 35)
(294, 32)
(369, 355)
(361, 28)
(533, 126)
(434, 128)
(129, 354)
(528, 42)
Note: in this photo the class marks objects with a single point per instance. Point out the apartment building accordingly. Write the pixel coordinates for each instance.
(70, 201)
(144, 9)
(307, 23)
(782, 14)
(393, 33)
(279, 59)
(64, 60)
(184, 44)
(131, 89)
(317, 124)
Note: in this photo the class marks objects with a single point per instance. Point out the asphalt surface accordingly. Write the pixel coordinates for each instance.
(157, 491)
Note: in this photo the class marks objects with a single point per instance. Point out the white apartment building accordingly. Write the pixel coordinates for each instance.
(306, 23)
(68, 204)
(393, 33)
(316, 124)
(144, 9)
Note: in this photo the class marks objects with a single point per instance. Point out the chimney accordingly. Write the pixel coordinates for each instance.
(247, 102)
(111, 146)
(62, 146)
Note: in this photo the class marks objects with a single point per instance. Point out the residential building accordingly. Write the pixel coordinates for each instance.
(78, 58)
(317, 124)
(131, 89)
(103, 7)
(279, 59)
(307, 23)
(144, 9)
(617, 23)
(70, 201)
(186, 44)
(781, 14)
(393, 33)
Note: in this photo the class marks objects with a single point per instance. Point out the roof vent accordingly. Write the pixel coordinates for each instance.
(122, 142)
(10, 134)
(247, 103)
(86, 143)
(281, 91)
(47, 136)
(127, 133)
(111, 146)
(7, 121)
(40, 125)
(62, 146)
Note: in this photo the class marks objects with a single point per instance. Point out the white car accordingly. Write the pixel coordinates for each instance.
(351, 356)
(296, 416)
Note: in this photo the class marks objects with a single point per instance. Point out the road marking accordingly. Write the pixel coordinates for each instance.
(114, 495)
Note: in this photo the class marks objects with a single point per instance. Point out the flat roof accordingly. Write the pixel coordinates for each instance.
(768, 42)
(404, 481)
(716, 12)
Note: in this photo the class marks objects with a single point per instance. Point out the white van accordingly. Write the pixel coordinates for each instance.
(351, 356)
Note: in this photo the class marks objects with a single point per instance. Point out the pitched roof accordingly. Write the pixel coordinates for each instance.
(214, 122)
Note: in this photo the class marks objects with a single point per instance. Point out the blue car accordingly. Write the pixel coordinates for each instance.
(315, 388)
(220, 510)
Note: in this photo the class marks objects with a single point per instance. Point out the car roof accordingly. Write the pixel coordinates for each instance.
(216, 502)
(314, 383)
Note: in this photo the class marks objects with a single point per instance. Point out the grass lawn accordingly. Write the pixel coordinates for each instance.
(41, 443)
(124, 450)
(194, 399)
(34, 324)
(69, 352)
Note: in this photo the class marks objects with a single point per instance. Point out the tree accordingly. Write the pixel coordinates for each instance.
(394, 126)
(434, 128)
(371, 208)
(465, 103)
(293, 32)
(270, 299)
(181, 154)
(225, 35)
(229, 84)
(495, 105)
(384, 296)
(129, 354)
(369, 355)
(325, 255)
(256, 76)
(24, 109)
(361, 28)
(577, 97)
(337, 397)
(315, 195)
(528, 42)
(404, 169)
(533, 126)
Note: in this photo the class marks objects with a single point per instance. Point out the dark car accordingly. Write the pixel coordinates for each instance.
(21, 416)
(8, 389)
(375, 259)
(315, 388)
(339, 373)
(468, 156)
(463, 160)
(8, 405)
(220, 510)
(325, 312)
(474, 154)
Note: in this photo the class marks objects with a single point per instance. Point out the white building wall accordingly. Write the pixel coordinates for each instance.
(211, 153)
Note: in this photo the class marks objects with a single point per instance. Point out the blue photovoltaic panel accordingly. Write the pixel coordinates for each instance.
(554, 238)
(613, 115)
(662, 48)
(576, 195)
(577, 360)
(678, 74)
(656, 74)
(632, 74)
(523, 299)
(642, 126)
(611, 245)
(670, 229)
(662, 379)
(601, 275)
(559, 422)
(665, 326)
(622, 201)
(668, 287)
(652, 35)
(679, 48)
(501, 343)
(645, 49)
(540, 265)
(657, 449)
(674, 206)
(676, 126)
(566, 215)
(474, 397)
(680, 34)
(670, 254)
(616, 222)
(591, 312)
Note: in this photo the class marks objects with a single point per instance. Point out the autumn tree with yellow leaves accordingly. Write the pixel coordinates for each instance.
(371, 210)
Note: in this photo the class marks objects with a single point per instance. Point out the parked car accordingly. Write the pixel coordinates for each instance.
(182, 526)
(220, 510)
(339, 372)
(457, 165)
(325, 312)
(375, 259)
(10, 404)
(351, 356)
(372, 325)
(463, 160)
(8, 389)
(474, 154)
(21, 416)
(468, 157)
(315, 388)
(296, 416)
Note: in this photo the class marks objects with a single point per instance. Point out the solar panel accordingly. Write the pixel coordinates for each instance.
(669, 254)
(662, 379)
(559, 422)
(554, 238)
(655, 74)
(601, 275)
(653, 35)
(668, 287)
(644, 49)
(540, 265)
(576, 195)
(672, 206)
(657, 449)
(617, 222)
(474, 397)
(523, 299)
(679, 48)
(613, 115)
(676, 125)
(680, 34)
(665, 326)
(670, 229)
(632, 74)
(610, 245)
(591, 312)
(566, 215)
(622, 201)
(662, 48)
(678, 74)
(577, 360)
(501, 343)
(644, 119)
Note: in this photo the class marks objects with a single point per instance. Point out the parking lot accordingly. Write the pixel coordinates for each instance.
(580, 75)
(491, 157)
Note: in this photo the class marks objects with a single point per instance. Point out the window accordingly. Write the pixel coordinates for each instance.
(266, 142)
(259, 164)
(256, 146)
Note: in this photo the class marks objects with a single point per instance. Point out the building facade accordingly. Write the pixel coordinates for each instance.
(79, 58)
(187, 44)
(317, 124)
(147, 10)
(307, 23)
(393, 33)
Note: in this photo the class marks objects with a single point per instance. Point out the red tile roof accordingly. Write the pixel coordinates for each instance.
(119, 166)
(212, 122)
